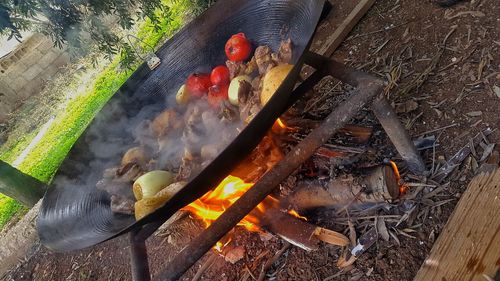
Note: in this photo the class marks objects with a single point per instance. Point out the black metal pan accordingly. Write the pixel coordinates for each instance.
(74, 213)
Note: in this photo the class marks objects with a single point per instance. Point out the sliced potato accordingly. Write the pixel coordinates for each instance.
(149, 184)
(273, 80)
(182, 96)
(235, 87)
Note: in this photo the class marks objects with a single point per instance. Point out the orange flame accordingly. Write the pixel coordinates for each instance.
(280, 123)
(402, 187)
(279, 127)
(214, 203)
(295, 214)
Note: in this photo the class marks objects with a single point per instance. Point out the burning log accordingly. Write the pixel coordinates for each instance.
(379, 185)
(299, 232)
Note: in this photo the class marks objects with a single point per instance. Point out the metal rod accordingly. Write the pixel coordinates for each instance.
(303, 151)
(139, 258)
(398, 135)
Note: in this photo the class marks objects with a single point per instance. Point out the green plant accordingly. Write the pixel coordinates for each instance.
(8, 208)
(75, 111)
(73, 118)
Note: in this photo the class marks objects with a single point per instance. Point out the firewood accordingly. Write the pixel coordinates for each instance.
(379, 185)
(299, 232)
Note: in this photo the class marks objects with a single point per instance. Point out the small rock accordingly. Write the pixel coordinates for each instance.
(441, 159)
(474, 113)
(407, 106)
(432, 236)
(369, 272)
(496, 89)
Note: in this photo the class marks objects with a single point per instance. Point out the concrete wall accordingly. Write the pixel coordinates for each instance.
(25, 71)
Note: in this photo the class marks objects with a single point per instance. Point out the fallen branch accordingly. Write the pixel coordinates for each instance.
(380, 185)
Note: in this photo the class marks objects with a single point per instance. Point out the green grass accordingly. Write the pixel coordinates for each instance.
(8, 208)
(74, 115)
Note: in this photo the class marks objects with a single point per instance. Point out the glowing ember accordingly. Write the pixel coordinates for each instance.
(214, 203)
(402, 187)
(295, 214)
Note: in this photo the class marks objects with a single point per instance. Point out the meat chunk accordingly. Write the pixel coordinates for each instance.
(235, 68)
(229, 111)
(263, 59)
(166, 121)
(122, 205)
(250, 109)
(191, 166)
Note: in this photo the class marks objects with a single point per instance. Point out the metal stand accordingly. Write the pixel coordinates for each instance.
(398, 135)
(139, 258)
(369, 91)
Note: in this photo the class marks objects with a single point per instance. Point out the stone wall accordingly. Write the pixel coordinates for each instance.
(25, 71)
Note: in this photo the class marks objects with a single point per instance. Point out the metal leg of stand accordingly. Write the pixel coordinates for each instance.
(399, 135)
(139, 258)
(381, 107)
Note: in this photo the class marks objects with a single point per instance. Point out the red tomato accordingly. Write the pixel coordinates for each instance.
(197, 84)
(220, 75)
(217, 94)
(238, 48)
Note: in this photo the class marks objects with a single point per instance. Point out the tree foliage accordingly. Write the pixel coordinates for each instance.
(86, 26)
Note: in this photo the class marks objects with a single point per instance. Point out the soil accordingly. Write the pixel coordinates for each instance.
(395, 34)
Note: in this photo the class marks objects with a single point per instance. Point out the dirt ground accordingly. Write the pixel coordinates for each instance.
(453, 84)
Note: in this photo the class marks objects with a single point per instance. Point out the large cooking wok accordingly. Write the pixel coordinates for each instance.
(74, 213)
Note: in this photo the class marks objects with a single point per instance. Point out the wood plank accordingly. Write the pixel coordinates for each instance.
(333, 41)
(469, 246)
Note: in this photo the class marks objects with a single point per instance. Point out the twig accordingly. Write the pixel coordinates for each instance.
(381, 47)
(417, 184)
(270, 262)
(369, 217)
(205, 266)
(376, 31)
(438, 129)
(420, 79)
(463, 58)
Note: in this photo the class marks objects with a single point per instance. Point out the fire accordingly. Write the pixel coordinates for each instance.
(280, 127)
(281, 124)
(214, 203)
(295, 214)
(402, 187)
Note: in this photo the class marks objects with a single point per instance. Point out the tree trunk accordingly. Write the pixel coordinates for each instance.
(20, 186)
